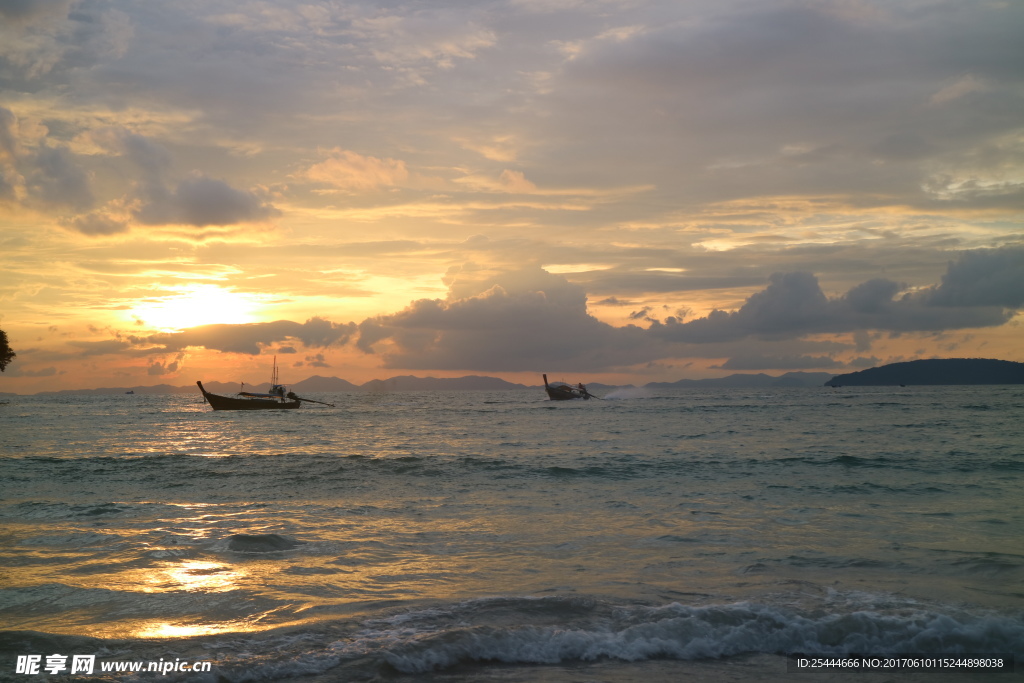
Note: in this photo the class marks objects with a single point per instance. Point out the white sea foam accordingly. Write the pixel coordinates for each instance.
(628, 392)
(681, 632)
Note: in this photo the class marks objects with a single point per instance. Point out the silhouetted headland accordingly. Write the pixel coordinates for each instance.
(934, 372)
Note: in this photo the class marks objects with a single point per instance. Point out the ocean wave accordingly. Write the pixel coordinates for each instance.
(570, 629)
(686, 632)
(681, 632)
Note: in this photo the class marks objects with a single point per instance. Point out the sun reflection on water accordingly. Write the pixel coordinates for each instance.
(197, 575)
(167, 630)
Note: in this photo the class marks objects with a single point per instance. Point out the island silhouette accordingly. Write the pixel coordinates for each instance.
(935, 371)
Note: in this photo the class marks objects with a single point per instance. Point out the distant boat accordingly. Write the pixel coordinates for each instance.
(566, 392)
(130, 392)
(278, 398)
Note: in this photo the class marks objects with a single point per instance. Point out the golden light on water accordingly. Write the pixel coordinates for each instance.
(195, 575)
(191, 576)
(166, 630)
(196, 305)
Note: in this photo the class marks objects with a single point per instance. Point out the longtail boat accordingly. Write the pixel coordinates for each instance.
(566, 392)
(278, 398)
(250, 401)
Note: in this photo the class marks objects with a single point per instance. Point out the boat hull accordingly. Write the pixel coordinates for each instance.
(555, 395)
(218, 402)
(563, 392)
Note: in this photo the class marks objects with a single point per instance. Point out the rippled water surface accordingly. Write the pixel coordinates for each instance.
(463, 533)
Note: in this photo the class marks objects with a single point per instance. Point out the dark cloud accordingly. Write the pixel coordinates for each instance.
(49, 173)
(614, 301)
(101, 348)
(158, 368)
(984, 277)
(151, 158)
(198, 200)
(54, 177)
(531, 319)
(252, 337)
(523, 320)
(7, 192)
(97, 224)
(792, 305)
(15, 370)
(8, 142)
(21, 10)
(872, 296)
(316, 361)
(202, 201)
(976, 292)
(807, 99)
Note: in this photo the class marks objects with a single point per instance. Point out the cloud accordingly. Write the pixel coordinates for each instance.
(56, 179)
(847, 148)
(101, 348)
(25, 10)
(202, 201)
(439, 37)
(97, 224)
(16, 371)
(250, 338)
(50, 176)
(872, 296)
(316, 361)
(522, 320)
(158, 368)
(152, 158)
(984, 277)
(43, 174)
(197, 200)
(8, 139)
(977, 290)
(348, 170)
(790, 99)
(509, 181)
(528, 319)
(531, 319)
(50, 38)
(756, 361)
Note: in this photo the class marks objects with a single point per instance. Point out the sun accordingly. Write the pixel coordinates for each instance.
(196, 305)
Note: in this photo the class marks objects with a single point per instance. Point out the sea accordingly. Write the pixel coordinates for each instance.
(697, 535)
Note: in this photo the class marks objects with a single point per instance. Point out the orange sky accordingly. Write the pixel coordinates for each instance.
(648, 192)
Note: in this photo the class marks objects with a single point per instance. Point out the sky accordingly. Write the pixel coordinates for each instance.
(621, 191)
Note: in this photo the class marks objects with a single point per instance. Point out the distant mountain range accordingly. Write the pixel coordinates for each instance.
(739, 381)
(326, 385)
(919, 372)
(935, 371)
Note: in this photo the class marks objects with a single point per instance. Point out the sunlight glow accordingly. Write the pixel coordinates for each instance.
(191, 576)
(562, 268)
(196, 305)
(165, 630)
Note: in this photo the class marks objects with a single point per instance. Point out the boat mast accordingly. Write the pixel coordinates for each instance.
(273, 375)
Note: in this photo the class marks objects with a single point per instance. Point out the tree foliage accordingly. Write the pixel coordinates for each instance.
(6, 355)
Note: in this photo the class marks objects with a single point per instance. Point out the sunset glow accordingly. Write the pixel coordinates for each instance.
(200, 305)
(368, 190)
